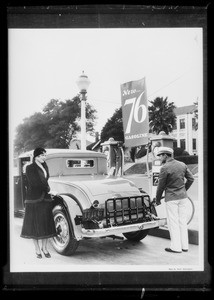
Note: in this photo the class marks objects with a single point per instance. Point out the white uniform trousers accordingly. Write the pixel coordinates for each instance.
(177, 223)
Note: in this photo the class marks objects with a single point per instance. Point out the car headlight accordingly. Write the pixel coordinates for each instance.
(95, 203)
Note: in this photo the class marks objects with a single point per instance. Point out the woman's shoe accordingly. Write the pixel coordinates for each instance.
(38, 255)
(46, 254)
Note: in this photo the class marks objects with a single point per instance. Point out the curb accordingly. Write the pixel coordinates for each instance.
(164, 233)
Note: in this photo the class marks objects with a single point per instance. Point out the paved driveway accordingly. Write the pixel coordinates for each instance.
(103, 254)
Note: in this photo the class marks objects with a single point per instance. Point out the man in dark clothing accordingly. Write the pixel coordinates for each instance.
(175, 179)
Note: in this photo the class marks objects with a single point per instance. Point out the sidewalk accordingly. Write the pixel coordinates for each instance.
(164, 233)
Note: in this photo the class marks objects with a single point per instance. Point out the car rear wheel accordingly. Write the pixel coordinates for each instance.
(136, 236)
(65, 242)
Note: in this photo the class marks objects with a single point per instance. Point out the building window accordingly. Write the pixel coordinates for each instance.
(182, 123)
(183, 144)
(193, 123)
(175, 144)
(193, 144)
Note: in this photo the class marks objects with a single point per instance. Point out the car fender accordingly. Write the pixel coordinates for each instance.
(73, 208)
(73, 189)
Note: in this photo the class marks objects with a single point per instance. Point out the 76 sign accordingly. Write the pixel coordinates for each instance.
(135, 113)
(136, 109)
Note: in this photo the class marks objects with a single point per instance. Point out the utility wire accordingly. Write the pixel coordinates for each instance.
(171, 82)
(164, 86)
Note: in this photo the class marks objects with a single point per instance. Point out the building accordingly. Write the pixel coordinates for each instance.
(95, 146)
(76, 144)
(184, 132)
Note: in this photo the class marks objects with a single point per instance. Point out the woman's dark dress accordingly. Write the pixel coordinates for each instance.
(38, 220)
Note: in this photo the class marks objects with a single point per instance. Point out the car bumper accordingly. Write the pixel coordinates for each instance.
(123, 229)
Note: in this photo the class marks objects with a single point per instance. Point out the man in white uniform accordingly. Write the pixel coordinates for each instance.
(175, 179)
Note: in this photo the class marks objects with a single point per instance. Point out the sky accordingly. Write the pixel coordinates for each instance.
(44, 64)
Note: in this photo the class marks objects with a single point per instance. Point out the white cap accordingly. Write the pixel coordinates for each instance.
(163, 150)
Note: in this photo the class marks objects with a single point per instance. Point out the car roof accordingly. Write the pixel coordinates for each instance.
(54, 152)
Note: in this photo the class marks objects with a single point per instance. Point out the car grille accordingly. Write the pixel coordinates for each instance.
(128, 210)
(118, 211)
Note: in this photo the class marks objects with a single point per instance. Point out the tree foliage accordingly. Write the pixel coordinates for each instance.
(54, 127)
(161, 116)
(113, 127)
(33, 131)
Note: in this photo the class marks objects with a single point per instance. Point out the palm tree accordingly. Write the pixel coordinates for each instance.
(161, 116)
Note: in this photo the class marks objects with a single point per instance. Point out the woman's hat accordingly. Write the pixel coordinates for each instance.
(164, 150)
(38, 151)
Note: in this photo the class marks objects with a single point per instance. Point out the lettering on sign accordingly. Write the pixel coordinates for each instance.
(136, 136)
(129, 92)
(135, 110)
(155, 178)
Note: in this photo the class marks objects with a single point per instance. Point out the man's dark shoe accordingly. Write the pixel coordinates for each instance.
(170, 250)
(185, 250)
(38, 255)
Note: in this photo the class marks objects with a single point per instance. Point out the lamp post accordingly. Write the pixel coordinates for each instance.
(83, 84)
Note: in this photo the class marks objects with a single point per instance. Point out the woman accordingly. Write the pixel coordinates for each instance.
(38, 220)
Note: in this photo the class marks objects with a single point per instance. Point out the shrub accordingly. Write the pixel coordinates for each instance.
(180, 152)
(188, 159)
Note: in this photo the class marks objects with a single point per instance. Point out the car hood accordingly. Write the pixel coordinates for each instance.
(118, 187)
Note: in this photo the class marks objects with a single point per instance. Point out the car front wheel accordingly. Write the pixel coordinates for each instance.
(65, 242)
(136, 236)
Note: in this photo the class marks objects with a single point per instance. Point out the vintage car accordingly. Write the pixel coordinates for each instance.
(87, 202)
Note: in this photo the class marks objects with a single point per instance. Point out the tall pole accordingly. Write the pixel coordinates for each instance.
(148, 171)
(83, 83)
(83, 121)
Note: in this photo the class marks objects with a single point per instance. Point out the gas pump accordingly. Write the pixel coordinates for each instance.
(160, 140)
(115, 157)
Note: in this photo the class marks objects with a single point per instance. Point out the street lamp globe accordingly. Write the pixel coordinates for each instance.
(83, 83)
